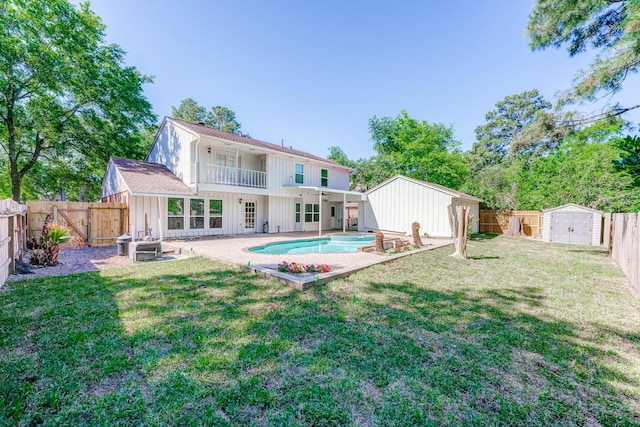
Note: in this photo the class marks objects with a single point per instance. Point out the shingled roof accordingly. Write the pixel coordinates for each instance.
(150, 178)
(206, 130)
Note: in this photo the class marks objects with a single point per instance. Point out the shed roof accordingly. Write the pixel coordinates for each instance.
(433, 186)
(202, 129)
(572, 205)
(144, 178)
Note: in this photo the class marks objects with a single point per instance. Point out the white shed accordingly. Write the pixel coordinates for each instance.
(399, 201)
(573, 224)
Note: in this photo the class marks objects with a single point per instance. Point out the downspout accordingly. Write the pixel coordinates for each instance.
(197, 162)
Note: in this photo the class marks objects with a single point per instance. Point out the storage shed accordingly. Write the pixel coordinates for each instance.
(399, 201)
(572, 224)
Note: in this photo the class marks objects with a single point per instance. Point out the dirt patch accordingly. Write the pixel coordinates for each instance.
(79, 260)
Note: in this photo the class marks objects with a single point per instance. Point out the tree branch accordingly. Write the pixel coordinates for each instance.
(602, 116)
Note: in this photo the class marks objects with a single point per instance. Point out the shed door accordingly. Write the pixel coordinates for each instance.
(571, 227)
(581, 228)
(561, 227)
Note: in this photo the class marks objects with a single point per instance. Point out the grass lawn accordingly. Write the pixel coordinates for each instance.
(524, 333)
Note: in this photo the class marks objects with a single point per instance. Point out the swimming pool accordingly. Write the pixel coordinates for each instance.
(340, 243)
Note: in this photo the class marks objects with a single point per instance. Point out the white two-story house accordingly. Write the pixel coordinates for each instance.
(199, 181)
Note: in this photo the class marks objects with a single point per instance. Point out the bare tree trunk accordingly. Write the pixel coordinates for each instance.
(459, 222)
(415, 228)
(379, 242)
(516, 227)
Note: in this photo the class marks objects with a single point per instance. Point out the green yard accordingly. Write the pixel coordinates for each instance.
(525, 333)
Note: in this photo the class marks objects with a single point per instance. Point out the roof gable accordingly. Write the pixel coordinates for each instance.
(201, 129)
(150, 178)
(433, 186)
(573, 205)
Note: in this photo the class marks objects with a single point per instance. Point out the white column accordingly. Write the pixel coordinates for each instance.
(344, 211)
(237, 169)
(160, 213)
(320, 219)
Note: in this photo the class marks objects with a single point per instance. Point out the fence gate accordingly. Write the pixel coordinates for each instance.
(93, 224)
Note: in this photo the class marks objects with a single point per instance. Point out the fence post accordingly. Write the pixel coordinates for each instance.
(11, 243)
(89, 226)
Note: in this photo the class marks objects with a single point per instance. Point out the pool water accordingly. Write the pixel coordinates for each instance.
(339, 243)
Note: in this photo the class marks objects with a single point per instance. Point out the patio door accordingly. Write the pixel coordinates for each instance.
(249, 217)
(298, 214)
(333, 218)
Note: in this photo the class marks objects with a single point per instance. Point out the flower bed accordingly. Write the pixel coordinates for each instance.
(292, 267)
(402, 247)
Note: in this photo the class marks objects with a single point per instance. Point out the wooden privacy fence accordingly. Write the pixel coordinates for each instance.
(92, 223)
(621, 235)
(498, 221)
(13, 236)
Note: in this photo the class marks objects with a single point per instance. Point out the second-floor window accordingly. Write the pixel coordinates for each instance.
(324, 177)
(299, 173)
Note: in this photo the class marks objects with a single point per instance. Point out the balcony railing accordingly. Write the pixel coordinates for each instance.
(213, 174)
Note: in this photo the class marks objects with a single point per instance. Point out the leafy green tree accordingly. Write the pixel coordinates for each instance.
(418, 149)
(190, 111)
(610, 27)
(628, 160)
(224, 119)
(337, 155)
(370, 172)
(506, 126)
(218, 117)
(64, 92)
(367, 173)
(579, 171)
(496, 185)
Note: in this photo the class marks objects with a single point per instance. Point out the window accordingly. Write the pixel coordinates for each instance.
(324, 177)
(175, 214)
(196, 217)
(299, 173)
(311, 212)
(215, 213)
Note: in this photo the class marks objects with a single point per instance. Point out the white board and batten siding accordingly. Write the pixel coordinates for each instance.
(572, 224)
(112, 182)
(281, 174)
(396, 203)
(233, 214)
(173, 148)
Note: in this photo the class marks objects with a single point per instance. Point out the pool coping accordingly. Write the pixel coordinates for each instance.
(236, 256)
(306, 239)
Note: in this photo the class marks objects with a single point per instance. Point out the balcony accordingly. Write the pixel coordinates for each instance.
(225, 175)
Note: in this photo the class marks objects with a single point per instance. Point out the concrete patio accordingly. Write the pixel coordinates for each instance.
(233, 250)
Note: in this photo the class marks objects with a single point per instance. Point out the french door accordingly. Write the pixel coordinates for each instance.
(249, 217)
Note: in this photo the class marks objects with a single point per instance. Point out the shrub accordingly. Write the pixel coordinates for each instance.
(46, 249)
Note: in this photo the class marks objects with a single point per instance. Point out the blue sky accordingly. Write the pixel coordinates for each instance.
(314, 73)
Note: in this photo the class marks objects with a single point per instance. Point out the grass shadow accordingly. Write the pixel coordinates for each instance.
(194, 342)
(483, 236)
